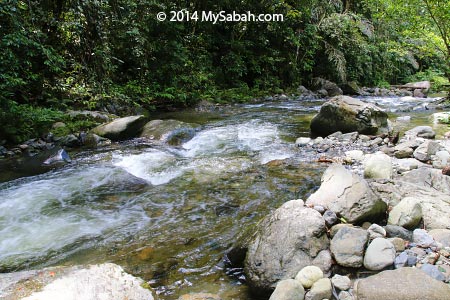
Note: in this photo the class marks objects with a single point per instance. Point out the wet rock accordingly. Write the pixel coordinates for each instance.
(308, 275)
(287, 240)
(413, 282)
(425, 132)
(433, 271)
(60, 156)
(351, 88)
(320, 290)
(348, 195)
(94, 141)
(407, 213)
(121, 129)
(330, 218)
(376, 231)
(348, 246)
(378, 165)
(172, 132)
(441, 236)
(340, 282)
(379, 255)
(105, 281)
(348, 114)
(288, 289)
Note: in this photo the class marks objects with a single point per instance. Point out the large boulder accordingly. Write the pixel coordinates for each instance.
(331, 88)
(104, 281)
(428, 186)
(173, 132)
(348, 195)
(121, 129)
(402, 284)
(347, 114)
(287, 241)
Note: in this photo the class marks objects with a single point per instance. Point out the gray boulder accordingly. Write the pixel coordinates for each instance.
(379, 255)
(172, 132)
(348, 195)
(422, 239)
(348, 114)
(407, 213)
(331, 89)
(287, 240)
(348, 246)
(401, 284)
(398, 231)
(288, 289)
(121, 129)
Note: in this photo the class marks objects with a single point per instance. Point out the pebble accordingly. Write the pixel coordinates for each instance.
(330, 218)
(341, 282)
(344, 295)
(321, 289)
(376, 231)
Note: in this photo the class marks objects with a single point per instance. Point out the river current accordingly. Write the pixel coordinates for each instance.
(169, 213)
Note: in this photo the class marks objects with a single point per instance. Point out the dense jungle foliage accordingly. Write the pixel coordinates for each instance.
(72, 54)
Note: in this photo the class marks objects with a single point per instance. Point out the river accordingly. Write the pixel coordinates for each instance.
(169, 213)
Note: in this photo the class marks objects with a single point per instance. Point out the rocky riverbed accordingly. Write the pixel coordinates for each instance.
(379, 216)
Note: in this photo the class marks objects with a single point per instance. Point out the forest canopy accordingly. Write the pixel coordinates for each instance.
(73, 54)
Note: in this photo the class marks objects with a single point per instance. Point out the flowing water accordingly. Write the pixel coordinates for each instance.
(167, 214)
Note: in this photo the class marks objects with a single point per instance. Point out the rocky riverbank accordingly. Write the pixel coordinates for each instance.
(379, 220)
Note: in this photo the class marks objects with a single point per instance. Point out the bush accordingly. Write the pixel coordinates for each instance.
(19, 122)
(437, 79)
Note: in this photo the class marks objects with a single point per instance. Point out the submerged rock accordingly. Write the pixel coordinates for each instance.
(94, 282)
(60, 156)
(172, 132)
(348, 114)
(288, 240)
